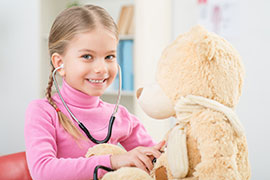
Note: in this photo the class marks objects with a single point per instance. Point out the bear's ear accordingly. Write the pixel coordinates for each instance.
(205, 49)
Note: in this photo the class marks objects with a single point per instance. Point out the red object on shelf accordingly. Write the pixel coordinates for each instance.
(202, 1)
(14, 167)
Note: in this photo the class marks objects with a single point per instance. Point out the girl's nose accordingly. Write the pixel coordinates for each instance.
(100, 66)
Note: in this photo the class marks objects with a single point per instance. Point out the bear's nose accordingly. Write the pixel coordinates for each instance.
(139, 92)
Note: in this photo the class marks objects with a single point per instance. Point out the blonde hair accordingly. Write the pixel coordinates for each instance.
(67, 24)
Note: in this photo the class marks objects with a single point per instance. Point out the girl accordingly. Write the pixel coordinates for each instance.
(84, 39)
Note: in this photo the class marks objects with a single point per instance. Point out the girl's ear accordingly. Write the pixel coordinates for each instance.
(56, 62)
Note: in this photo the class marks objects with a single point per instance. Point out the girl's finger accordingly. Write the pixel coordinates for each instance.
(160, 145)
(146, 161)
(137, 162)
(151, 151)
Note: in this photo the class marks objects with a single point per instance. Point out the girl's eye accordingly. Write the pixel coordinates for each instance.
(110, 57)
(87, 56)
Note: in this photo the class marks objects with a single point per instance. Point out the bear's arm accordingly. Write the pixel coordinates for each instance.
(216, 143)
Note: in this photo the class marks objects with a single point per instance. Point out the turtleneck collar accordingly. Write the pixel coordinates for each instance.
(77, 98)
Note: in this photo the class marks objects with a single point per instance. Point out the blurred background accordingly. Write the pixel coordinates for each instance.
(147, 27)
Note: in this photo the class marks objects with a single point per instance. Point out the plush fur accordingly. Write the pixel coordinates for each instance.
(125, 173)
(201, 75)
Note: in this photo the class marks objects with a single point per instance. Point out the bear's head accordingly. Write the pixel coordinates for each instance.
(197, 63)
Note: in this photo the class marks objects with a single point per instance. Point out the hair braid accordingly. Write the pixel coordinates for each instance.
(49, 89)
(63, 119)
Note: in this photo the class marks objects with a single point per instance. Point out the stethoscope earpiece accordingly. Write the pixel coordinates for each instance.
(56, 69)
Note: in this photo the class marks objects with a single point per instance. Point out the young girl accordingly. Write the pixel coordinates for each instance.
(84, 39)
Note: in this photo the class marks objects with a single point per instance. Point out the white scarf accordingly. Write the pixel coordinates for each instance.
(184, 107)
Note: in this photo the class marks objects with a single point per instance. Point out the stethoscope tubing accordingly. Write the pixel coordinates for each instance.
(95, 175)
(85, 130)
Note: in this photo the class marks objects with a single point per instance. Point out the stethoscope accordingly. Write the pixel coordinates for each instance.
(85, 130)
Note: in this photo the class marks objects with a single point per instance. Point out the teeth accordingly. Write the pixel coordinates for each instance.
(96, 81)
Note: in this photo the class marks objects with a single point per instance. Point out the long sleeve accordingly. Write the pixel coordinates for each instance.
(138, 135)
(42, 150)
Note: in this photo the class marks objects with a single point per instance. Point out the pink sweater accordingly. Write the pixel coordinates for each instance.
(52, 153)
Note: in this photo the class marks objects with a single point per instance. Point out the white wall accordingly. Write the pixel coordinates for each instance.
(251, 37)
(152, 35)
(253, 44)
(19, 66)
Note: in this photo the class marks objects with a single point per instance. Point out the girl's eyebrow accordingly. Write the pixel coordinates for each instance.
(112, 51)
(89, 50)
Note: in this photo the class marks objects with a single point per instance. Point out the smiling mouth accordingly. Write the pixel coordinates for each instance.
(97, 81)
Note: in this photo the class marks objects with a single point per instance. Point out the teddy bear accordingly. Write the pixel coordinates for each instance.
(199, 81)
(124, 173)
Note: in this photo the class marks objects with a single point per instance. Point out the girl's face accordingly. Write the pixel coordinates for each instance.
(90, 64)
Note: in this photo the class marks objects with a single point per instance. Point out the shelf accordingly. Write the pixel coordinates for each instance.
(126, 37)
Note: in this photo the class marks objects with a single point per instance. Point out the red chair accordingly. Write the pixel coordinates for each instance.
(14, 167)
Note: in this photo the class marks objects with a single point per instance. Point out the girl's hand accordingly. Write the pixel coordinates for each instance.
(140, 157)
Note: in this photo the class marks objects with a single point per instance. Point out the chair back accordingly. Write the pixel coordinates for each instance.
(14, 167)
